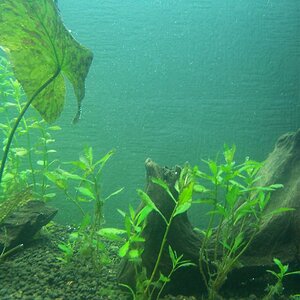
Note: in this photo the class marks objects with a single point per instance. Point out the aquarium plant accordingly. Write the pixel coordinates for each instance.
(151, 286)
(32, 153)
(82, 184)
(43, 53)
(237, 203)
(277, 288)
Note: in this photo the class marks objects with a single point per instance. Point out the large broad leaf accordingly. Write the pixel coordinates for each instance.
(39, 46)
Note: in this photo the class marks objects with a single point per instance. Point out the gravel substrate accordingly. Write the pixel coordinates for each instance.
(35, 273)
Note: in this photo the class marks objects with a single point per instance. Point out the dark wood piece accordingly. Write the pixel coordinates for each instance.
(279, 236)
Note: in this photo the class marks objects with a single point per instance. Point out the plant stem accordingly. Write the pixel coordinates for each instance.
(6, 253)
(162, 246)
(23, 111)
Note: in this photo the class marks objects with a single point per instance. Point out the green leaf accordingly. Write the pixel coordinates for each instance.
(229, 153)
(186, 194)
(68, 175)
(86, 192)
(41, 162)
(200, 188)
(112, 234)
(57, 179)
(114, 193)
(39, 47)
(49, 195)
(182, 208)
(163, 278)
(20, 151)
(54, 128)
(204, 201)
(273, 273)
(121, 212)
(124, 249)
(293, 273)
(232, 195)
(66, 248)
(135, 253)
(147, 200)
(279, 211)
(143, 214)
(161, 183)
(105, 158)
(238, 241)
(213, 168)
(172, 255)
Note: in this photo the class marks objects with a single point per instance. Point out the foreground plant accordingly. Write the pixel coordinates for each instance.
(237, 206)
(152, 286)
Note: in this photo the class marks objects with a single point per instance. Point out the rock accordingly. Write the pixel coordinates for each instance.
(21, 225)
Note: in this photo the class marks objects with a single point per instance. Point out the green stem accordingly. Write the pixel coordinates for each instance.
(23, 111)
(162, 246)
(6, 253)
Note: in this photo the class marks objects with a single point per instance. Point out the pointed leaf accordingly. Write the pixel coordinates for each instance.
(112, 234)
(86, 192)
(114, 193)
(124, 249)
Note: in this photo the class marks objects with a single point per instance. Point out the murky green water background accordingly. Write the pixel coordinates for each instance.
(175, 80)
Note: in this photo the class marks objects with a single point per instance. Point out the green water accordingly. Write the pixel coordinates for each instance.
(175, 80)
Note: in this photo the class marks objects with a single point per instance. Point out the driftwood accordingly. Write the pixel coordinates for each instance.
(21, 225)
(279, 236)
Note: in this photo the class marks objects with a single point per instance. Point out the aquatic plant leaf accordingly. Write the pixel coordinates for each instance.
(148, 202)
(85, 191)
(39, 46)
(114, 193)
(112, 234)
(133, 254)
(183, 208)
(186, 194)
(124, 249)
(143, 214)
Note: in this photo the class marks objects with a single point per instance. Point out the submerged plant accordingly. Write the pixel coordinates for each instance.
(237, 206)
(42, 52)
(277, 288)
(31, 155)
(152, 286)
(86, 176)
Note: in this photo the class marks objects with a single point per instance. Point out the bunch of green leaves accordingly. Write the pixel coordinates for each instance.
(82, 184)
(29, 157)
(237, 205)
(277, 288)
(147, 287)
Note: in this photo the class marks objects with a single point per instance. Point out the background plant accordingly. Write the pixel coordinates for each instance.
(30, 157)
